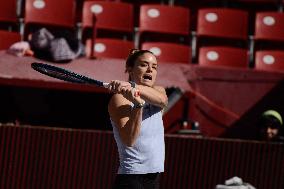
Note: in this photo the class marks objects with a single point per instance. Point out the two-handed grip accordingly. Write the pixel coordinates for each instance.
(136, 93)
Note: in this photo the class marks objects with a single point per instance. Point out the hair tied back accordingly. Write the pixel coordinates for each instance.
(133, 51)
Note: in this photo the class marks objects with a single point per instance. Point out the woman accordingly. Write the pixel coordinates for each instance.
(136, 116)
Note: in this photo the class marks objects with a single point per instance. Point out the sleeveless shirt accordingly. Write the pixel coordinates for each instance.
(148, 153)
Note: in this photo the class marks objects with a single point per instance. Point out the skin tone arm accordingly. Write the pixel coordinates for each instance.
(127, 119)
(154, 95)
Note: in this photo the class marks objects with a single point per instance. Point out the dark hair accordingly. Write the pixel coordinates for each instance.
(134, 54)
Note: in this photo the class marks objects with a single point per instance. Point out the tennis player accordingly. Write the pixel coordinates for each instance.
(135, 111)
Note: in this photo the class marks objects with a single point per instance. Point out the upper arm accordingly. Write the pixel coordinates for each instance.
(163, 94)
(119, 110)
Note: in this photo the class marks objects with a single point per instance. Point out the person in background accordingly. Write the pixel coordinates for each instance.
(270, 126)
(135, 111)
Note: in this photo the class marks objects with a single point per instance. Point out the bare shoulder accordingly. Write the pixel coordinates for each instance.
(118, 103)
(117, 100)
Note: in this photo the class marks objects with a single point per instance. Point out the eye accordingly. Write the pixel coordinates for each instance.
(143, 64)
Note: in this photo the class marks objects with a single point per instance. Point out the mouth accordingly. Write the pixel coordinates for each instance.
(147, 77)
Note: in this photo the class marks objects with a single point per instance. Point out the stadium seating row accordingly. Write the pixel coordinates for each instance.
(108, 26)
(18, 8)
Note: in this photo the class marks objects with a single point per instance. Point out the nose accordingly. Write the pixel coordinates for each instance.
(150, 69)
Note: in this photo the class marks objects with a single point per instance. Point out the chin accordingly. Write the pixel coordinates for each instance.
(146, 83)
(149, 84)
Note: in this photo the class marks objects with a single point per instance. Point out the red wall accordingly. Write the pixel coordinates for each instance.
(37, 157)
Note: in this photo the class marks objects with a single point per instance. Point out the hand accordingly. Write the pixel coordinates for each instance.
(125, 88)
(116, 86)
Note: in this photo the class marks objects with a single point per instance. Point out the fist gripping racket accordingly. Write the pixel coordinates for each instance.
(66, 75)
(69, 76)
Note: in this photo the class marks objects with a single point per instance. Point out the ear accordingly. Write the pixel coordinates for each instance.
(129, 70)
(130, 74)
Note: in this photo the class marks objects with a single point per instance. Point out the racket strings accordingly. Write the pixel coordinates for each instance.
(63, 74)
(67, 77)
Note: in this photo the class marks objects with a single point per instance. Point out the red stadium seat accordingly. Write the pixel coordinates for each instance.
(8, 38)
(223, 56)
(268, 32)
(169, 52)
(222, 23)
(269, 60)
(109, 48)
(163, 19)
(110, 16)
(221, 27)
(50, 12)
(112, 20)
(8, 11)
(269, 26)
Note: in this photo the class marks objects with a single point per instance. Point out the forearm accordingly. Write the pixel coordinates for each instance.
(153, 95)
(131, 129)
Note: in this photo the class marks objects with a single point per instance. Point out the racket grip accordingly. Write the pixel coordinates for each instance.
(105, 85)
(136, 93)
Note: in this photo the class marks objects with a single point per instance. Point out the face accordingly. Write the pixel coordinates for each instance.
(144, 71)
(270, 133)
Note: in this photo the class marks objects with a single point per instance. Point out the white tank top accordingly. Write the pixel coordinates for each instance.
(148, 153)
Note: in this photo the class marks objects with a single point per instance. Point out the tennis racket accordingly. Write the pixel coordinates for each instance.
(66, 75)
(69, 76)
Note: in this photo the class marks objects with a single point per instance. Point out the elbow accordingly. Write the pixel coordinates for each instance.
(164, 102)
(129, 143)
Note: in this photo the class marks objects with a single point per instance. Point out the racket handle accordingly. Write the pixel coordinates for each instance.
(105, 85)
(136, 93)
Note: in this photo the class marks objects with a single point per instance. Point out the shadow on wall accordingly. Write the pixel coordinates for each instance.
(54, 108)
(246, 126)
